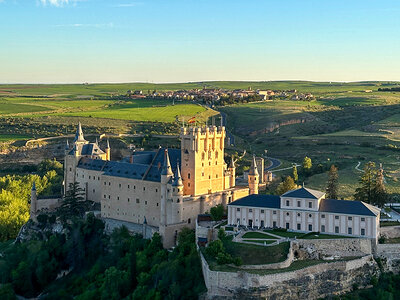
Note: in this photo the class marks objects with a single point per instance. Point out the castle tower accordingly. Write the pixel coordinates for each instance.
(166, 176)
(203, 165)
(253, 177)
(33, 208)
(108, 151)
(177, 197)
(232, 173)
(79, 138)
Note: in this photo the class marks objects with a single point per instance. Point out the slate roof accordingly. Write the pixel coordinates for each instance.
(268, 201)
(347, 207)
(88, 149)
(147, 165)
(304, 193)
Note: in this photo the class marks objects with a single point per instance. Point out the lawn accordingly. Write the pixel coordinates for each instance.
(284, 233)
(389, 223)
(257, 235)
(259, 242)
(7, 108)
(13, 137)
(257, 255)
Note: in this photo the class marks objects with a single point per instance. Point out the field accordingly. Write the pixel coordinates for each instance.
(347, 124)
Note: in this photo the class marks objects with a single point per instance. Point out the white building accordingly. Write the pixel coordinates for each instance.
(306, 210)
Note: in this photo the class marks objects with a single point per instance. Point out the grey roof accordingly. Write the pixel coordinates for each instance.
(347, 207)
(255, 200)
(146, 165)
(87, 149)
(304, 193)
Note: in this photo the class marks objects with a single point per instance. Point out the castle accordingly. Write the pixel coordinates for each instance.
(164, 190)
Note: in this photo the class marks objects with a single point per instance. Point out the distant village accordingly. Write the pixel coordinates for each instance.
(213, 95)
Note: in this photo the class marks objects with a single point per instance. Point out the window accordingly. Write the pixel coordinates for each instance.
(322, 228)
(287, 214)
(350, 230)
(336, 217)
(310, 215)
(322, 216)
(298, 214)
(104, 196)
(109, 183)
(298, 226)
(309, 204)
(250, 210)
(309, 227)
(137, 200)
(145, 202)
(362, 231)
(274, 212)
(274, 224)
(336, 229)
(237, 221)
(362, 219)
(94, 191)
(189, 221)
(262, 211)
(287, 225)
(105, 183)
(350, 218)
(128, 199)
(238, 209)
(156, 190)
(298, 204)
(144, 188)
(287, 203)
(188, 175)
(129, 186)
(118, 198)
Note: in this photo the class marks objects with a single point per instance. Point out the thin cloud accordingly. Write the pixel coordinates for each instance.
(59, 3)
(77, 25)
(132, 4)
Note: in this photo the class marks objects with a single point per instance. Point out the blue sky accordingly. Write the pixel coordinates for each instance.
(49, 41)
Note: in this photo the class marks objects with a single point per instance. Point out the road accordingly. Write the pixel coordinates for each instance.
(274, 163)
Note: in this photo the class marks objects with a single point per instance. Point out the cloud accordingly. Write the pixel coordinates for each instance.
(132, 4)
(59, 3)
(104, 25)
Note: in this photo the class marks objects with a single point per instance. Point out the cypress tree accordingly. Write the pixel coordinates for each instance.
(365, 191)
(332, 188)
(295, 175)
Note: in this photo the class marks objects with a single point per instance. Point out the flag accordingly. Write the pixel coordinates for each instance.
(192, 120)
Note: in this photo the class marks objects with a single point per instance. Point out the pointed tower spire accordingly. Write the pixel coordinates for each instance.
(67, 145)
(108, 150)
(253, 169)
(178, 179)
(166, 170)
(34, 186)
(97, 142)
(108, 144)
(79, 134)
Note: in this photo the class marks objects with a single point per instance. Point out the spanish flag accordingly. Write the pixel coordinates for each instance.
(192, 120)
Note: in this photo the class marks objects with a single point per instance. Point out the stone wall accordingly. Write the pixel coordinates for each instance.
(390, 232)
(312, 282)
(335, 247)
(390, 254)
(48, 204)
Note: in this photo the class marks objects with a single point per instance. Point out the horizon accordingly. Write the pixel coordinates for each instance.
(77, 41)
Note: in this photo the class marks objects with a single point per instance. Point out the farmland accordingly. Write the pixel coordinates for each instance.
(346, 124)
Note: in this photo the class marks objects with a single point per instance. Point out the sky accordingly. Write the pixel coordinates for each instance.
(75, 41)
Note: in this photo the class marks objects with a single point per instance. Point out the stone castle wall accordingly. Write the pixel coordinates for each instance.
(332, 247)
(308, 283)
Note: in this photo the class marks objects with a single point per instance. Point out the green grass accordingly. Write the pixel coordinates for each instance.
(13, 137)
(284, 233)
(321, 236)
(259, 242)
(7, 108)
(257, 255)
(392, 241)
(389, 223)
(257, 235)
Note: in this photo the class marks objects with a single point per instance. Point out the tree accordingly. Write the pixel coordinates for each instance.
(217, 212)
(74, 203)
(287, 185)
(307, 164)
(332, 188)
(295, 175)
(365, 191)
(379, 194)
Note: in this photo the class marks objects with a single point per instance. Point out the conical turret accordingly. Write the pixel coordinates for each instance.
(178, 179)
(67, 145)
(166, 170)
(253, 169)
(79, 138)
(108, 150)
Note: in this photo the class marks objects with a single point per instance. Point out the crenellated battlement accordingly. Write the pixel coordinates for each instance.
(202, 131)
